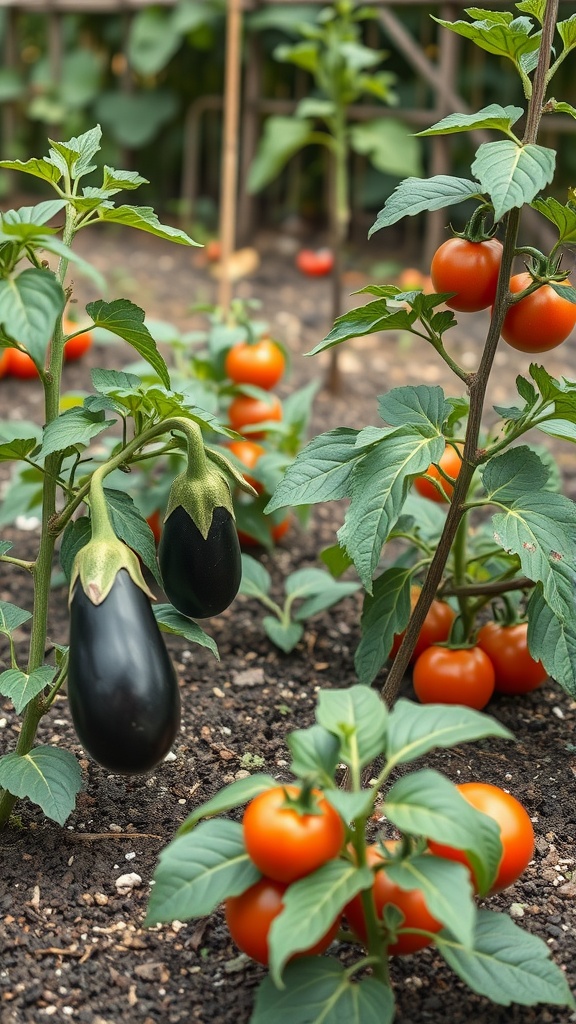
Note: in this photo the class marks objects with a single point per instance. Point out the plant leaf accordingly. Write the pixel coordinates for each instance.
(144, 219)
(318, 990)
(385, 614)
(552, 637)
(21, 687)
(511, 174)
(47, 776)
(509, 476)
(281, 138)
(12, 617)
(448, 893)
(256, 580)
(228, 798)
(415, 195)
(283, 635)
(493, 116)
(359, 718)
(415, 729)
(172, 621)
(30, 304)
(320, 472)
(125, 319)
(315, 751)
(388, 145)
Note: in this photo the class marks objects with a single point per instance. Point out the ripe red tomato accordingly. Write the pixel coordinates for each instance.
(21, 365)
(315, 262)
(261, 363)
(277, 531)
(285, 844)
(515, 669)
(447, 675)
(516, 832)
(470, 269)
(244, 411)
(154, 521)
(410, 901)
(250, 915)
(450, 462)
(540, 321)
(435, 630)
(213, 250)
(248, 453)
(76, 347)
(4, 362)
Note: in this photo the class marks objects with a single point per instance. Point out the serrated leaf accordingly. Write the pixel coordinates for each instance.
(30, 304)
(228, 798)
(358, 718)
(318, 990)
(12, 617)
(416, 729)
(281, 138)
(418, 406)
(368, 319)
(116, 181)
(311, 905)
(511, 38)
(22, 687)
(448, 893)
(415, 195)
(315, 751)
(513, 175)
(320, 472)
(172, 621)
(125, 319)
(563, 216)
(509, 476)
(47, 776)
(73, 428)
(32, 215)
(17, 449)
(283, 635)
(507, 964)
(44, 169)
(256, 580)
(77, 153)
(493, 116)
(552, 637)
(199, 870)
(144, 218)
(385, 614)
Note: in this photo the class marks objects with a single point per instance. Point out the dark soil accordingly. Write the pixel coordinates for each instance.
(71, 946)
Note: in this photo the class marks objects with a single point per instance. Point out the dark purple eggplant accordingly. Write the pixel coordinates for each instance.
(122, 687)
(201, 576)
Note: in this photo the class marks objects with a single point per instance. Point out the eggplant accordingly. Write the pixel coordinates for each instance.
(122, 687)
(201, 576)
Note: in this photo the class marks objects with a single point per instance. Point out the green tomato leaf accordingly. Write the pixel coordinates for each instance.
(318, 990)
(303, 54)
(125, 319)
(415, 195)
(256, 580)
(506, 964)
(509, 476)
(143, 218)
(116, 181)
(552, 637)
(513, 174)
(21, 687)
(368, 319)
(320, 472)
(17, 449)
(283, 635)
(358, 718)
(315, 751)
(281, 138)
(76, 155)
(172, 621)
(228, 798)
(77, 533)
(567, 32)
(493, 116)
(44, 169)
(311, 905)
(47, 776)
(389, 146)
(505, 36)
(563, 216)
(416, 729)
(417, 406)
(30, 304)
(385, 613)
(446, 887)
(199, 870)
(12, 617)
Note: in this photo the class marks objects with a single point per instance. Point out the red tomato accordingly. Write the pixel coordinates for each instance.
(244, 411)
(436, 627)
(277, 531)
(76, 347)
(450, 462)
(470, 269)
(285, 844)
(154, 521)
(540, 321)
(315, 262)
(4, 362)
(447, 675)
(20, 364)
(261, 363)
(507, 647)
(250, 915)
(213, 250)
(248, 453)
(411, 902)
(516, 832)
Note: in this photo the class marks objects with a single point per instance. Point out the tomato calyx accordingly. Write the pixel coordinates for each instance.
(476, 229)
(543, 270)
(304, 802)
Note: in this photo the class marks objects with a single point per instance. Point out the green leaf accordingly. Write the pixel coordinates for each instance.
(320, 472)
(552, 637)
(172, 621)
(284, 635)
(30, 304)
(153, 40)
(144, 219)
(318, 990)
(72, 429)
(134, 118)
(563, 216)
(47, 776)
(315, 106)
(417, 406)
(44, 169)
(415, 729)
(228, 798)
(565, 108)
(513, 175)
(567, 32)
(504, 35)
(415, 195)
(14, 221)
(358, 717)
(76, 155)
(507, 964)
(311, 905)
(281, 138)
(425, 803)
(388, 145)
(256, 580)
(130, 526)
(315, 751)
(125, 319)
(17, 449)
(198, 871)
(77, 533)
(448, 893)
(116, 181)
(509, 476)
(352, 805)
(385, 614)
(303, 54)
(12, 617)
(493, 116)
(21, 687)
(318, 590)
(368, 319)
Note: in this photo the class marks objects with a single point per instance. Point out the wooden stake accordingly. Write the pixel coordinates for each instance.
(229, 163)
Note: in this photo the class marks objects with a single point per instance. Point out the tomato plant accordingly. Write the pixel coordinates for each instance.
(77, 346)
(289, 833)
(450, 464)
(250, 915)
(21, 365)
(515, 670)
(315, 262)
(516, 831)
(436, 626)
(540, 321)
(454, 675)
(470, 270)
(245, 411)
(261, 362)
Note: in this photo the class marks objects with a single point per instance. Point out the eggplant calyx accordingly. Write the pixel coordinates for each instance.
(97, 565)
(199, 496)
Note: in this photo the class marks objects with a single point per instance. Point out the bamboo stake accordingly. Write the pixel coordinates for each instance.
(229, 164)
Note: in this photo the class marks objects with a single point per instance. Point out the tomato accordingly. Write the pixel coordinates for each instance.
(261, 363)
(250, 915)
(154, 521)
(277, 531)
(516, 832)
(435, 629)
(315, 262)
(244, 411)
(410, 901)
(213, 250)
(4, 362)
(507, 647)
(286, 844)
(76, 347)
(450, 462)
(21, 365)
(201, 575)
(540, 321)
(446, 675)
(248, 453)
(470, 270)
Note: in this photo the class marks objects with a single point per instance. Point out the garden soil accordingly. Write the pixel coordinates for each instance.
(72, 945)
